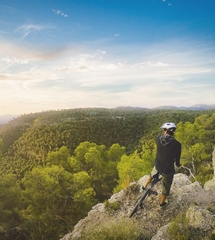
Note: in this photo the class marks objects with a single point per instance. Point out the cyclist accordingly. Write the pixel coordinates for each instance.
(168, 154)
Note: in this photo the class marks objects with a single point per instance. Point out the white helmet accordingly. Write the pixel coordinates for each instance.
(169, 125)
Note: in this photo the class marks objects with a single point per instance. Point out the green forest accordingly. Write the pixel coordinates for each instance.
(56, 165)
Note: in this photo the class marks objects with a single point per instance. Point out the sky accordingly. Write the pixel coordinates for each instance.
(63, 54)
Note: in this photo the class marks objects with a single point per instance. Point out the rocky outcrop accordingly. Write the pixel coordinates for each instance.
(211, 184)
(187, 198)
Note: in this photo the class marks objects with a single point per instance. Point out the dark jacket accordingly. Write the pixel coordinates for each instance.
(168, 153)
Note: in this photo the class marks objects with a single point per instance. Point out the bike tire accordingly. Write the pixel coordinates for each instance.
(140, 200)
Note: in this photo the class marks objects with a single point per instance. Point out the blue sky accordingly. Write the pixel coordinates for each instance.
(105, 53)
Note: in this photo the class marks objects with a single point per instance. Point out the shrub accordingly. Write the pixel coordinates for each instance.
(204, 174)
(178, 228)
(125, 229)
(112, 206)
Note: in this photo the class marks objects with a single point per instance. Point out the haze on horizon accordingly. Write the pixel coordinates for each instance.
(139, 53)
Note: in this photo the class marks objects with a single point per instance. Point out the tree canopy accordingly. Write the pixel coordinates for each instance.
(56, 165)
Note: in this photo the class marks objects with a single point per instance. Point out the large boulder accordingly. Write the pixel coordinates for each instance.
(200, 224)
(210, 185)
(186, 198)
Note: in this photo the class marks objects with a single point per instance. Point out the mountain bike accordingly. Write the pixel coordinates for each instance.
(147, 191)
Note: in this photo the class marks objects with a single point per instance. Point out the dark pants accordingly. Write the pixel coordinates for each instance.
(167, 183)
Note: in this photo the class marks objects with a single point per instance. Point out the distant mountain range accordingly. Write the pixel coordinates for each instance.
(6, 118)
(196, 107)
(193, 107)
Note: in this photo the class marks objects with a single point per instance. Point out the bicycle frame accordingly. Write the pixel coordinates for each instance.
(146, 193)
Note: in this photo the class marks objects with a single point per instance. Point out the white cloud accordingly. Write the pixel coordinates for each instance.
(26, 29)
(144, 76)
(30, 27)
(14, 60)
(154, 64)
(16, 54)
(103, 52)
(59, 12)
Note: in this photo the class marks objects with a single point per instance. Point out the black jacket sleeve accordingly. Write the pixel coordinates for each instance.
(178, 154)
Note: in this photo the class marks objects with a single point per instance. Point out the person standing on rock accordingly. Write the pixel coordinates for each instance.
(168, 154)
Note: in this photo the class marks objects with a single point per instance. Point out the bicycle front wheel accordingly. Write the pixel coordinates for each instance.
(140, 200)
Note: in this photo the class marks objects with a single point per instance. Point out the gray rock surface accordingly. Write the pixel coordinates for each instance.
(210, 185)
(186, 198)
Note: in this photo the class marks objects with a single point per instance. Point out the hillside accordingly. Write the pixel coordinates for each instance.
(190, 214)
(29, 138)
(56, 165)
